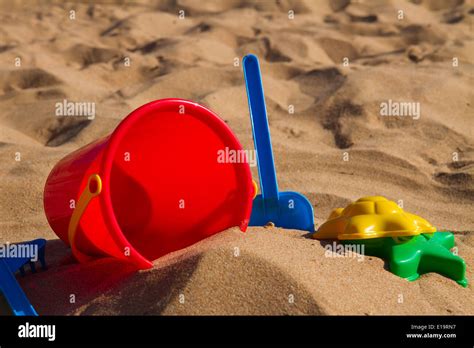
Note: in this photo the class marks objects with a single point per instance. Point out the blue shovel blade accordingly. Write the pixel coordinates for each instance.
(293, 211)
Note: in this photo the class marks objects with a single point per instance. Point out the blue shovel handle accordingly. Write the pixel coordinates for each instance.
(260, 129)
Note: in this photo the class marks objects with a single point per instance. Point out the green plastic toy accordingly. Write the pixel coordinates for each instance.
(410, 244)
(409, 257)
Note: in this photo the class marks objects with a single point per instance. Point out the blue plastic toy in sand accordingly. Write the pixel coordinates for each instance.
(285, 209)
(10, 288)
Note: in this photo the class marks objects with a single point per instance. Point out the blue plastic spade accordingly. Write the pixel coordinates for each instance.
(285, 209)
(12, 291)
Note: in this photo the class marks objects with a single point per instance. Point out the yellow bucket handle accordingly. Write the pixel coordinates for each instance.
(90, 191)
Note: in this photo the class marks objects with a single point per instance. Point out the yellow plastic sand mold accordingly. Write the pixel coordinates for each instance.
(372, 217)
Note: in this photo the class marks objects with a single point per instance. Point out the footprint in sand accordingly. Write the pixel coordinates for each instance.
(38, 121)
(154, 45)
(321, 83)
(334, 121)
(337, 50)
(84, 55)
(415, 34)
(63, 130)
(458, 176)
(263, 47)
(4, 48)
(459, 173)
(435, 5)
(455, 179)
(25, 79)
(200, 28)
(50, 93)
(361, 13)
(338, 5)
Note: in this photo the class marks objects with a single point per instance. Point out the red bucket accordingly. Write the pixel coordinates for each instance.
(155, 185)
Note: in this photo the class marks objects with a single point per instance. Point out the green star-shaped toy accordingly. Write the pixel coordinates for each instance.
(411, 256)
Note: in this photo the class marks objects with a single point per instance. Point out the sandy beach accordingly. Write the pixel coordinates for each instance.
(327, 68)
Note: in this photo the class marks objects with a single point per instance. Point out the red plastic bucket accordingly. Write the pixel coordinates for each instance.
(153, 186)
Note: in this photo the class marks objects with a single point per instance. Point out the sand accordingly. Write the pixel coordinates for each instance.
(334, 148)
